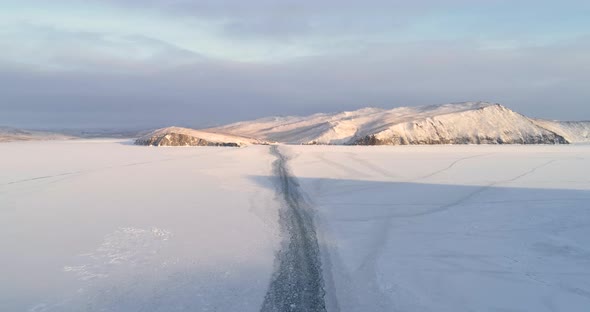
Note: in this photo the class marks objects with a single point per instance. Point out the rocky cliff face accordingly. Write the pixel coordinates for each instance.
(177, 139)
(398, 140)
(176, 136)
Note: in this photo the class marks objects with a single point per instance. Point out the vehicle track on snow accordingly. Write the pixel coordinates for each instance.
(450, 166)
(297, 283)
(99, 169)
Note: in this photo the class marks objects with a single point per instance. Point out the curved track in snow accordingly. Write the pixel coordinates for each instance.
(297, 284)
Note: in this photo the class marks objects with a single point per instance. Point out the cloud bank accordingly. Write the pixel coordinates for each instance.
(201, 63)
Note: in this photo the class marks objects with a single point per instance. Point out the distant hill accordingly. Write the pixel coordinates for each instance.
(457, 123)
(13, 134)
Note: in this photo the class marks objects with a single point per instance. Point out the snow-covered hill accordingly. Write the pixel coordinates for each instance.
(176, 136)
(572, 131)
(458, 123)
(337, 128)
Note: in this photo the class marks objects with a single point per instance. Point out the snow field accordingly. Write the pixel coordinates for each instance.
(452, 228)
(104, 225)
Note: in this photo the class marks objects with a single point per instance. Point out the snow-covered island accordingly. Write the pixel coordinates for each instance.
(457, 123)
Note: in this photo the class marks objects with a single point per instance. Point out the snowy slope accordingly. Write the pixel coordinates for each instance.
(572, 131)
(479, 123)
(337, 128)
(176, 136)
(459, 123)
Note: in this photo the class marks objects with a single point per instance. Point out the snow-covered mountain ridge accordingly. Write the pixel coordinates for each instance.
(457, 123)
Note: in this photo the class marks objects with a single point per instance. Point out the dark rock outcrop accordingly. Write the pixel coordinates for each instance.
(178, 139)
(544, 138)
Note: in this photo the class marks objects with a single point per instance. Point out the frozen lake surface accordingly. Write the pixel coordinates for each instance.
(102, 225)
(107, 226)
(452, 228)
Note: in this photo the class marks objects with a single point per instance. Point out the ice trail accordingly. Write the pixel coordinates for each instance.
(297, 284)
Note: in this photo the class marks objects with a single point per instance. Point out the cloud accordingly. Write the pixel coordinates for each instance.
(544, 81)
(199, 63)
(281, 20)
(278, 31)
(50, 48)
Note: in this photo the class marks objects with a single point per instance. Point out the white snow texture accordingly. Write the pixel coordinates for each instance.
(103, 225)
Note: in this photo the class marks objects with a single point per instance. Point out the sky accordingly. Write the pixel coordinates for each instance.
(152, 63)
